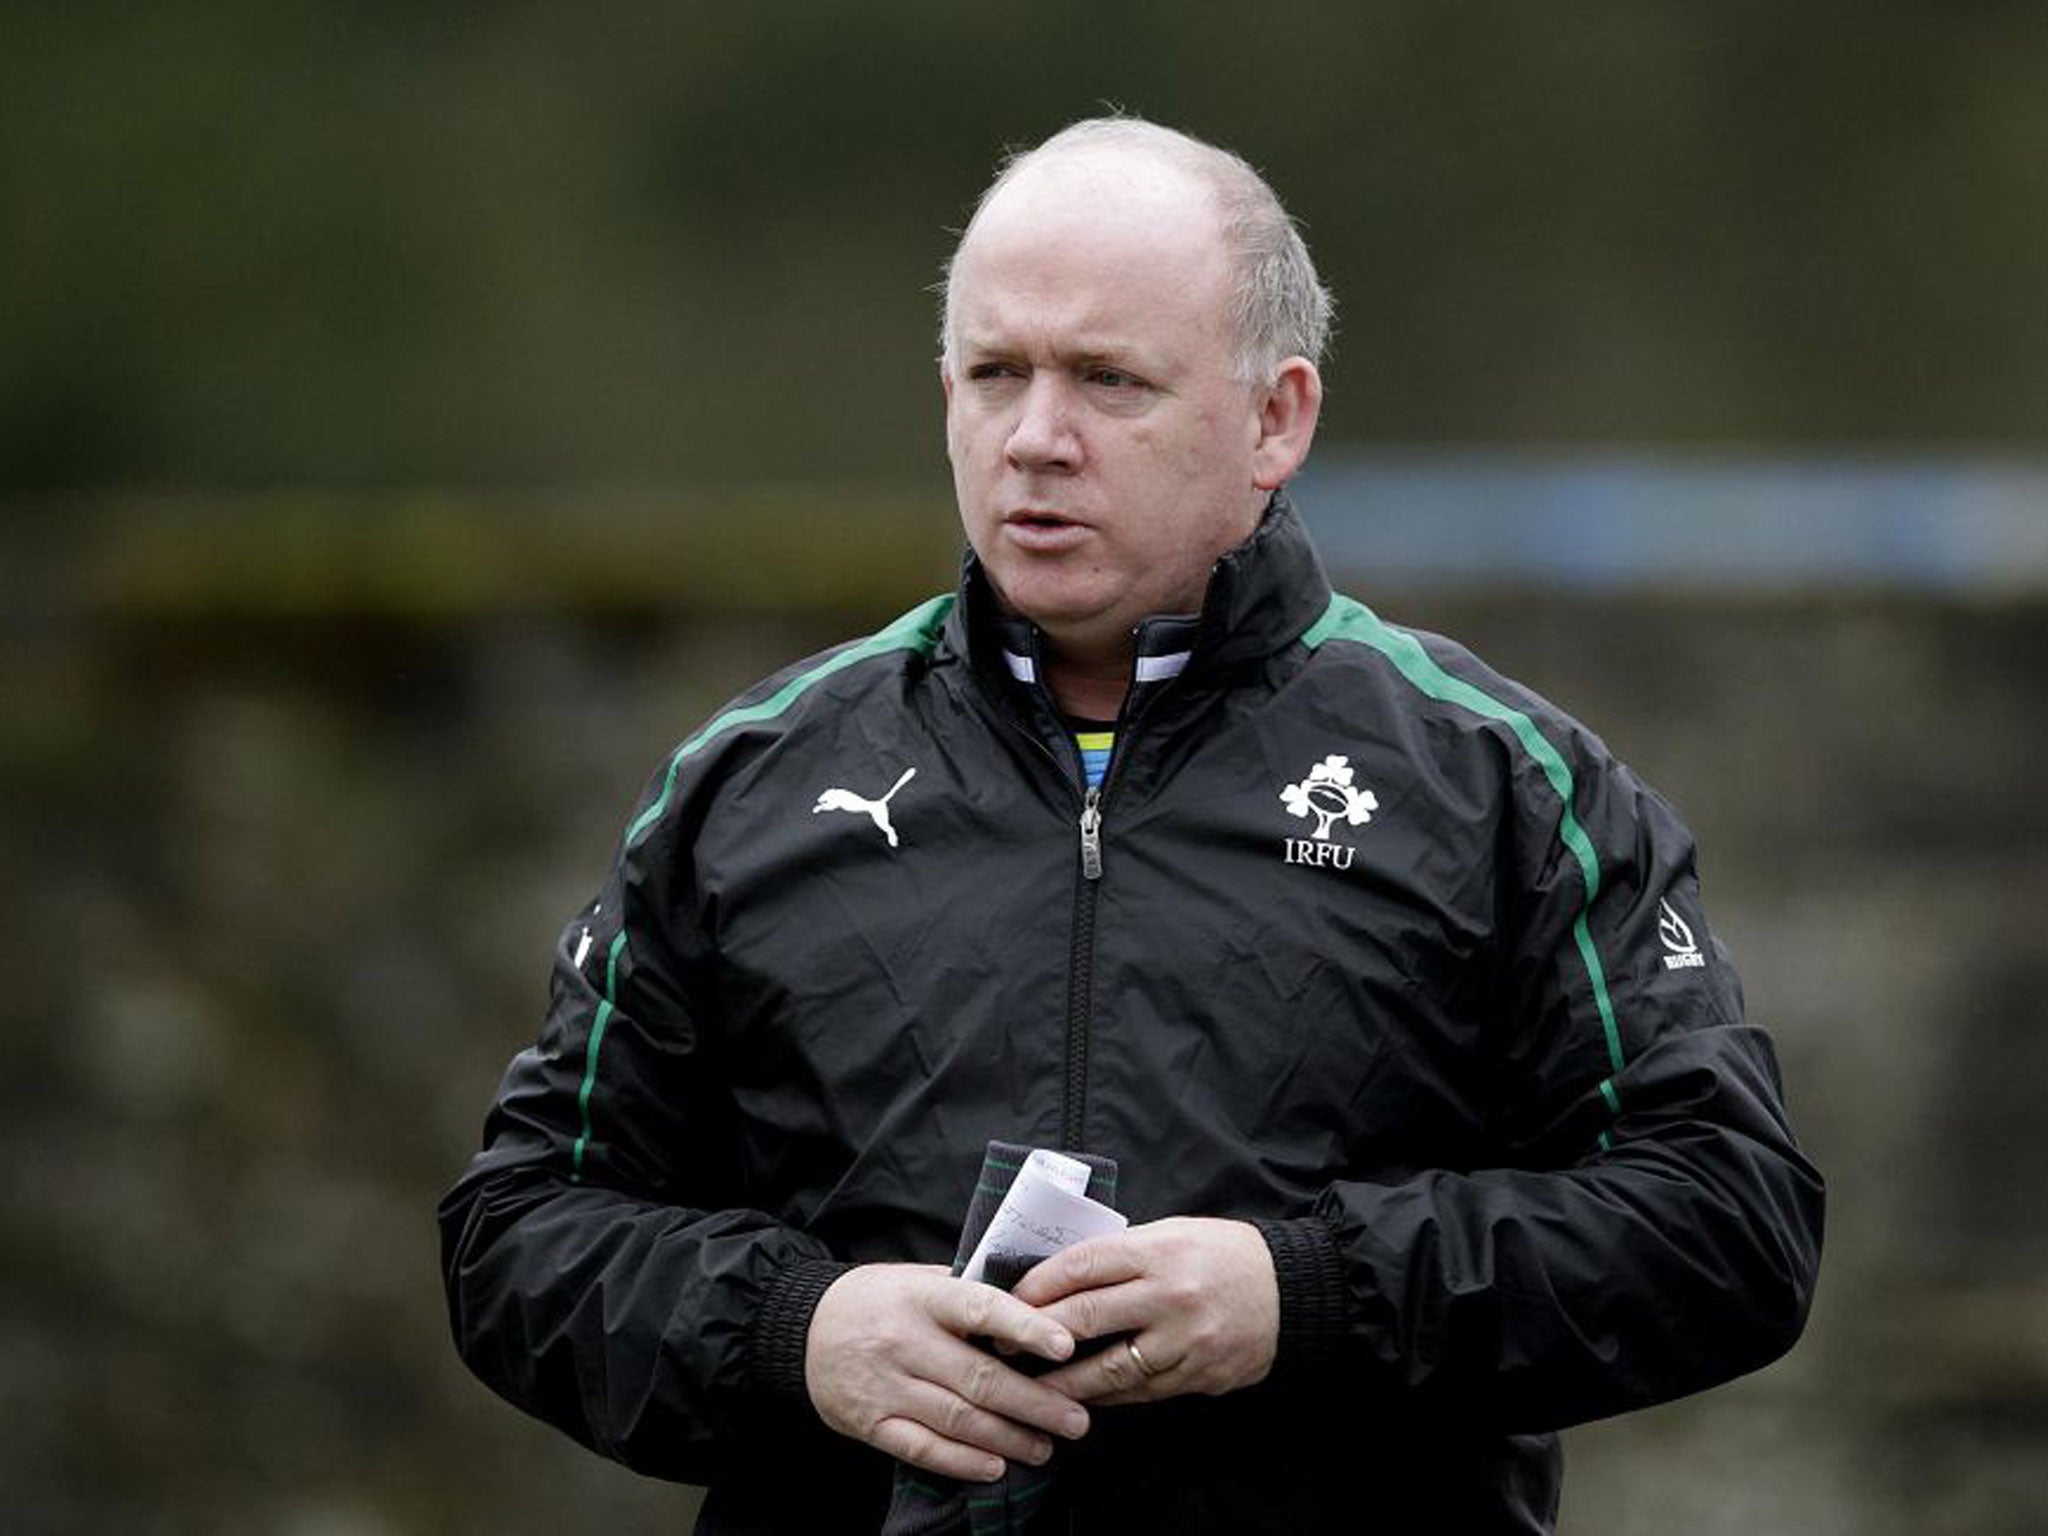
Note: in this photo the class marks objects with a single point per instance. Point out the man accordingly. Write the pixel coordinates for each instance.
(1386, 989)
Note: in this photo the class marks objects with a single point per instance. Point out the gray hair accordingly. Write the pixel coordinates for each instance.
(1278, 306)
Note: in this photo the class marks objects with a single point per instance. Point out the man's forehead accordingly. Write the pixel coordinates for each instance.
(1104, 185)
(1098, 303)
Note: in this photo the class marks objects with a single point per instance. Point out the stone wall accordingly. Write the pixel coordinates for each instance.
(282, 887)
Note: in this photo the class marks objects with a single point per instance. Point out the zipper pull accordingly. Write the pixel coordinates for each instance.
(1091, 835)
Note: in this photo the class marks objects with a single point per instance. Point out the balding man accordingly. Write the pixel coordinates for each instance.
(1386, 993)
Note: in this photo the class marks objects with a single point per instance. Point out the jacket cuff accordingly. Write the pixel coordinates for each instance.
(1310, 1270)
(775, 1347)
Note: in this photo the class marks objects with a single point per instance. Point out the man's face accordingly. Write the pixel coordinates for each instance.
(1103, 449)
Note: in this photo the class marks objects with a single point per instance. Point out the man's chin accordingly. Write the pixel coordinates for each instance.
(1057, 610)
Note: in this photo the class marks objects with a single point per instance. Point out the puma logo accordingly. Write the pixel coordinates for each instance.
(876, 811)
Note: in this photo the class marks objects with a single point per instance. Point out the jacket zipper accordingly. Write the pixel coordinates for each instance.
(1081, 944)
(1091, 833)
(1081, 950)
(1080, 1003)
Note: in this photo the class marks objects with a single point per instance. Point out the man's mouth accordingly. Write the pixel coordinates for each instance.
(1037, 531)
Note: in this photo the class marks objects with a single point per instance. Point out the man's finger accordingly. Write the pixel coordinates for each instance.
(954, 1418)
(921, 1446)
(1088, 1265)
(973, 1310)
(1096, 1314)
(1109, 1376)
(984, 1381)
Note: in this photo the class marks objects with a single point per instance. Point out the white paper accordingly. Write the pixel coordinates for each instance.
(1047, 1209)
(1069, 1173)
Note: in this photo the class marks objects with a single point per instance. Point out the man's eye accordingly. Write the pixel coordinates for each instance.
(1115, 378)
(991, 371)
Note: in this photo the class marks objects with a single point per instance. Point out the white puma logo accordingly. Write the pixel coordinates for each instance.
(876, 811)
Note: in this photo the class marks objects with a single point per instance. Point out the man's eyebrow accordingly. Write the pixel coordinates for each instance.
(965, 340)
(1124, 356)
(1088, 351)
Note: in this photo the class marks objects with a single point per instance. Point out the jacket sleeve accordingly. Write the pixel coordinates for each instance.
(602, 1269)
(1645, 1225)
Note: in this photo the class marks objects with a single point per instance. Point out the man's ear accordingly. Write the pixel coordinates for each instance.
(1287, 423)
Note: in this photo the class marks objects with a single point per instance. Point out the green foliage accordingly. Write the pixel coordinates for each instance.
(370, 245)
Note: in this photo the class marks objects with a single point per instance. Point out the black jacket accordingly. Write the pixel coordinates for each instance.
(1381, 952)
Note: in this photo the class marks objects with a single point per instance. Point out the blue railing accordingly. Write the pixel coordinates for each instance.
(1645, 518)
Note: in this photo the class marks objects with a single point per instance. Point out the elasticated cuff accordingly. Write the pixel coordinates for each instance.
(1310, 1271)
(775, 1349)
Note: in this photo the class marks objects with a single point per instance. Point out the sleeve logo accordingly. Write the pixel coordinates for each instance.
(1682, 950)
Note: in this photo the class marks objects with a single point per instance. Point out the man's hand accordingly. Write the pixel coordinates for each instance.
(888, 1362)
(1196, 1298)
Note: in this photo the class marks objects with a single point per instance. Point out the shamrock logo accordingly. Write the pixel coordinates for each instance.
(1328, 795)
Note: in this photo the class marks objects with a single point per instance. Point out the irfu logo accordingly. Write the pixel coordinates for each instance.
(1330, 795)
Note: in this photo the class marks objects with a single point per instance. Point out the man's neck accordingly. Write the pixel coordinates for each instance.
(1089, 689)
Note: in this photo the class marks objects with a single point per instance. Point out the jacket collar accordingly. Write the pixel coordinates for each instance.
(1262, 595)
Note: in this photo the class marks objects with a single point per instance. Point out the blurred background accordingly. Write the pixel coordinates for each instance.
(414, 418)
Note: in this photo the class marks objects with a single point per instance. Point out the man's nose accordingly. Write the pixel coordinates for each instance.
(1043, 435)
